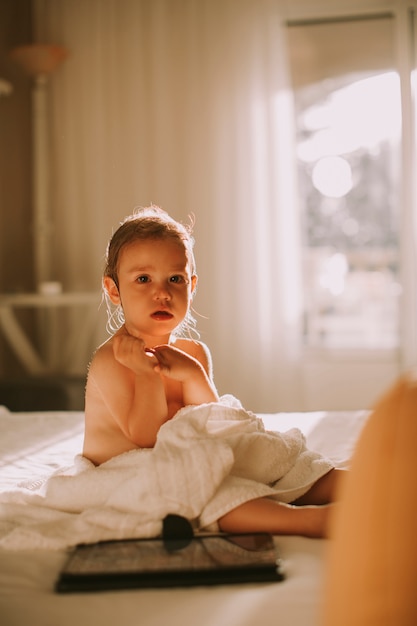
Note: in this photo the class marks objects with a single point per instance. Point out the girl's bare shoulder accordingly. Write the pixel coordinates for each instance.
(103, 355)
(191, 346)
(198, 350)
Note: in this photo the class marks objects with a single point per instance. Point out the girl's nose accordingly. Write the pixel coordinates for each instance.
(162, 293)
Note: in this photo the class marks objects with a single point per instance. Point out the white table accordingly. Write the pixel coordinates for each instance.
(56, 347)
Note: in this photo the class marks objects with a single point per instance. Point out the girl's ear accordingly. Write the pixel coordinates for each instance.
(194, 280)
(112, 290)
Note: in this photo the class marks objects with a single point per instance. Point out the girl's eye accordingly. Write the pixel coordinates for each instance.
(177, 279)
(142, 279)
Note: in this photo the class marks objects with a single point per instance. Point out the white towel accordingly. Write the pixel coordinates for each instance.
(206, 461)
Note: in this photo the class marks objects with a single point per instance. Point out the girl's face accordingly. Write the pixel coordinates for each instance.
(155, 288)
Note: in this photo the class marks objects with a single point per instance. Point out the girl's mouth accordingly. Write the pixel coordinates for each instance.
(162, 315)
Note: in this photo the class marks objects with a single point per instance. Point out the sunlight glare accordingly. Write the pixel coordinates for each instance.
(360, 115)
(333, 274)
(332, 176)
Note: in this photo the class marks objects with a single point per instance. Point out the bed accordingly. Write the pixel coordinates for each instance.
(34, 444)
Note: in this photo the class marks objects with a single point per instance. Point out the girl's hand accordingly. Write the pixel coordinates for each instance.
(176, 364)
(132, 353)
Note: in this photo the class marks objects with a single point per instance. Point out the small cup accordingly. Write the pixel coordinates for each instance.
(50, 288)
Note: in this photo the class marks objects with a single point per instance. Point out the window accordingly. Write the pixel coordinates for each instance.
(348, 120)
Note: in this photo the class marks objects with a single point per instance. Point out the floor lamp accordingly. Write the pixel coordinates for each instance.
(39, 61)
(55, 353)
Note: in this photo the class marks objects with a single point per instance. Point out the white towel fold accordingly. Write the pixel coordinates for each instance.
(206, 461)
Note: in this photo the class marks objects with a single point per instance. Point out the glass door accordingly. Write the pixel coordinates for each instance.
(348, 119)
(354, 106)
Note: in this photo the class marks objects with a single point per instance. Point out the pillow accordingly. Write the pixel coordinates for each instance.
(371, 567)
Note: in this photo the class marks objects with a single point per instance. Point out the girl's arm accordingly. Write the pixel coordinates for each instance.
(192, 371)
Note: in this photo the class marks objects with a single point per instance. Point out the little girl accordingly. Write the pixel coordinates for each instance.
(146, 372)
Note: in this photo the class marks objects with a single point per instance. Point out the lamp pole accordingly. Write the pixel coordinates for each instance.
(39, 61)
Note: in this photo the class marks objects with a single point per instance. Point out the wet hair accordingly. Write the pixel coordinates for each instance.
(144, 224)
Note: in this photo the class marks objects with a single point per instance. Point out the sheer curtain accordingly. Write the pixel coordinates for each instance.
(185, 103)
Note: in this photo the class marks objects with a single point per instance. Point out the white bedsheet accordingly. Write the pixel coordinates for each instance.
(33, 444)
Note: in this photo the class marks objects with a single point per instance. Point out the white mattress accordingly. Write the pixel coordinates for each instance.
(35, 444)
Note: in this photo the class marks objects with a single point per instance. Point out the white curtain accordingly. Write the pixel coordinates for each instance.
(185, 103)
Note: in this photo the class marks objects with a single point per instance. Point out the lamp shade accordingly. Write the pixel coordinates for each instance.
(39, 58)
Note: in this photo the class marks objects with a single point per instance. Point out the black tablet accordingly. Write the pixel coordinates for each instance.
(201, 560)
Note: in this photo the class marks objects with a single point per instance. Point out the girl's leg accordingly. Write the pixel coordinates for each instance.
(264, 515)
(324, 490)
